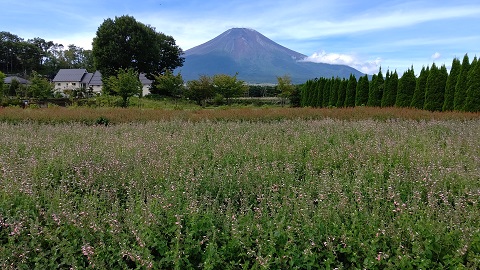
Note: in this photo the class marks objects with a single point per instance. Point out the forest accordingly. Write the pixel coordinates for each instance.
(435, 89)
(22, 57)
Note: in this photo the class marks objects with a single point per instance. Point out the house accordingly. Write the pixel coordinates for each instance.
(146, 84)
(71, 79)
(80, 78)
(96, 82)
(9, 79)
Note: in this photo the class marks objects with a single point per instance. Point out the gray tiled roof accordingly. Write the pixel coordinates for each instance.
(96, 78)
(86, 79)
(8, 80)
(144, 79)
(70, 75)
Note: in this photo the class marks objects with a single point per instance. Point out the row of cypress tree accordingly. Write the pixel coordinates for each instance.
(434, 89)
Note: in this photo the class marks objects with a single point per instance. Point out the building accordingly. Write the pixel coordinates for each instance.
(9, 79)
(146, 84)
(70, 79)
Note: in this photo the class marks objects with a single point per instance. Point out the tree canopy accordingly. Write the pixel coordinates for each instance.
(228, 86)
(125, 84)
(167, 84)
(124, 43)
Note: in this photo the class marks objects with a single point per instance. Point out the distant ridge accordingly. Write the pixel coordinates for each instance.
(256, 58)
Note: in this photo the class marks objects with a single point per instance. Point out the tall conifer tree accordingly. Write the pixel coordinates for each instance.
(461, 87)
(406, 88)
(351, 91)
(304, 89)
(472, 103)
(451, 83)
(361, 97)
(326, 92)
(435, 90)
(334, 92)
(385, 89)
(342, 91)
(390, 92)
(319, 89)
(418, 98)
(376, 90)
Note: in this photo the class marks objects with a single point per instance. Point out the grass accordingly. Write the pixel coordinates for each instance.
(299, 188)
(125, 115)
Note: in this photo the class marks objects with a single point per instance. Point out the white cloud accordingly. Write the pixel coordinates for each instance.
(365, 66)
(436, 56)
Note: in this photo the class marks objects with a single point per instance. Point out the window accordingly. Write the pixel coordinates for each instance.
(74, 84)
(59, 84)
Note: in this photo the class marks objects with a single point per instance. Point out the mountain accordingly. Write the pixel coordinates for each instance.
(256, 58)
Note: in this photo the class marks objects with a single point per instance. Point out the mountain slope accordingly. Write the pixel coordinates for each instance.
(256, 58)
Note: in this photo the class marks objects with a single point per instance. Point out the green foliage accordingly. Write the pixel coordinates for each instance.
(326, 92)
(284, 194)
(361, 97)
(45, 57)
(318, 93)
(256, 90)
(461, 87)
(391, 88)
(2, 88)
(167, 84)
(406, 88)
(125, 43)
(40, 87)
(305, 91)
(295, 97)
(334, 92)
(200, 90)
(375, 91)
(228, 86)
(342, 92)
(351, 91)
(448, 103)
(285, 86)
(418, 99)
(125, 84)
(472, 102)
(435, 88)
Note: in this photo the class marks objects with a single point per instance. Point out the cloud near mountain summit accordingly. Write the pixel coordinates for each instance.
(368, 67)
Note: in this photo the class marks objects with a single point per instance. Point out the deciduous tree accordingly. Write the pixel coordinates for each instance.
(167, 84)
(228, 86)
(125, 84)
(200, 90)
(124, 43)
(40, 87)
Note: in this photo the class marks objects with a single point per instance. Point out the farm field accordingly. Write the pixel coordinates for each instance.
(296, 189)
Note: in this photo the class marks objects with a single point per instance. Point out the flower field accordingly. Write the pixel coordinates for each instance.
(320, 193)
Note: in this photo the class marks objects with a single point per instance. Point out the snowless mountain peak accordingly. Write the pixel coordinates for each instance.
(256, 59)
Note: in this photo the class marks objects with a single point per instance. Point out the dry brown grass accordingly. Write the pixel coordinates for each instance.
(123, 115)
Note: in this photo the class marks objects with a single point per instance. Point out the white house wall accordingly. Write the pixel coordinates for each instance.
(60, 86)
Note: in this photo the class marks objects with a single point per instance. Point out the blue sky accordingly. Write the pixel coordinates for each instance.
(365, 34)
